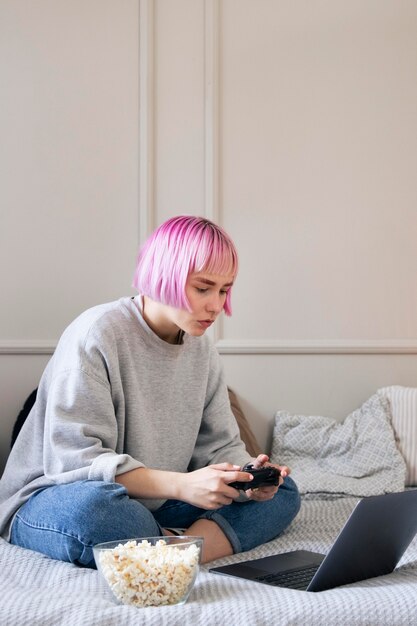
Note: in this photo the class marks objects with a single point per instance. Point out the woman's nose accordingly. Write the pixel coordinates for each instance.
(215, 305)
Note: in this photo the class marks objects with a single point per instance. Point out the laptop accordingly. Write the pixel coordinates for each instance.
(371, 543)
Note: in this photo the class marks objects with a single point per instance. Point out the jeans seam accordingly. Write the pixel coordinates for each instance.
(58, 531)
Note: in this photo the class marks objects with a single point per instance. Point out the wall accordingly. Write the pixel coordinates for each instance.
(304, 132)
(69, 163)
(292, 124)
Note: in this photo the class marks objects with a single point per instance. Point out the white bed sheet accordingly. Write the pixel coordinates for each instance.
(38, 591)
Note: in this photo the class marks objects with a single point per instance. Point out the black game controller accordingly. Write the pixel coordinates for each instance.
(262, 477)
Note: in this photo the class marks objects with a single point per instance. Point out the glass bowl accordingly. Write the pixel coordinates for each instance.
(150, 571)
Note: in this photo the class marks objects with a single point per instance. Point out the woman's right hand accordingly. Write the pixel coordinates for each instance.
(208, 487)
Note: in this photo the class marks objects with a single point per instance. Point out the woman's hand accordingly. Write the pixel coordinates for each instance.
(262, 494)
(208, 487)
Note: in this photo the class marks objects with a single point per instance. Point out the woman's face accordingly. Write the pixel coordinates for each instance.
(206, 294)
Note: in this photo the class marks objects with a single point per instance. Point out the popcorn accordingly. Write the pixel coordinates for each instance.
(143, 574)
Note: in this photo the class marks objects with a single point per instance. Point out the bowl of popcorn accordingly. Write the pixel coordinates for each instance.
(152, 571)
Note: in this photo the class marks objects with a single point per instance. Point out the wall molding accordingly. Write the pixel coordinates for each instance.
(212, 124)
(211, 110)
(27, 346)
(255, 347)
(322, 346)
(146, 118)
(147, 221)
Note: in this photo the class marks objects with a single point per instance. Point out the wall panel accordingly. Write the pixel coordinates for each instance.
(69, 160)
(318, 151)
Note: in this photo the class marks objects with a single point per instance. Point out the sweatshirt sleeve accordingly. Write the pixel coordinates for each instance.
(219, 438)
(82, 436)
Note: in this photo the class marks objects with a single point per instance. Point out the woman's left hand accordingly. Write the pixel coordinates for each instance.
(261, 494)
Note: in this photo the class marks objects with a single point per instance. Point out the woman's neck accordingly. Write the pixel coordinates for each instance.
(155, 315)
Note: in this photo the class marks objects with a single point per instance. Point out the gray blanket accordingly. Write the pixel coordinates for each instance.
(36, 591)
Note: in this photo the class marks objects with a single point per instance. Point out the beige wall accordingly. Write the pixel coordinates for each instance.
(318, 166)
(69, 154)
(292, 124)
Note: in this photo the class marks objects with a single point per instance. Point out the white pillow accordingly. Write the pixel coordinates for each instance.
(403, 404)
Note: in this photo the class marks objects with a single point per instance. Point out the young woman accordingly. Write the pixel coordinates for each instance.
(132, 432)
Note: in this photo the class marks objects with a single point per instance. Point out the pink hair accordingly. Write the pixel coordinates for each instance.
(180, 246)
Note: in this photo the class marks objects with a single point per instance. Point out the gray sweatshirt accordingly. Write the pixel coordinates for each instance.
(114, 397)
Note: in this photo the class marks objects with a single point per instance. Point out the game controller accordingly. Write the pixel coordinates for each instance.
(264, 476)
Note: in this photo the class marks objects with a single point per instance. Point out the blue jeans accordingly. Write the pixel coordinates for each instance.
(65, 521)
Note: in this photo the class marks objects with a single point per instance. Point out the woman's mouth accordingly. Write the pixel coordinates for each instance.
(205, 323)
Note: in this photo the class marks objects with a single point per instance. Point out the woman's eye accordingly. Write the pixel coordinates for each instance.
(201, 290)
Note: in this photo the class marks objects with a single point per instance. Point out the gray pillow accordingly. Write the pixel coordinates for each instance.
(356, 457)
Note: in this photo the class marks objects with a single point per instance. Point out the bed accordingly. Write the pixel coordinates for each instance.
(364, 455)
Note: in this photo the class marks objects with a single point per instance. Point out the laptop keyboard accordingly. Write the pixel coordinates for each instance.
(295, 579)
